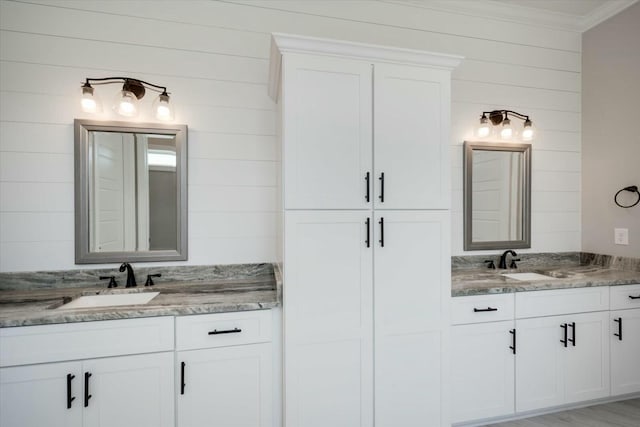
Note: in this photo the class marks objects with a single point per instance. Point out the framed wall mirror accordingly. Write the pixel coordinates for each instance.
(130, 192)
(497, 195)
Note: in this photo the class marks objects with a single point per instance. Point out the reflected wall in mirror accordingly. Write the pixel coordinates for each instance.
(131, 193)
(497, 195)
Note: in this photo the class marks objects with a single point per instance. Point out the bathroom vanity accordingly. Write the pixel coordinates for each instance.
(521, 347)
(197, 353)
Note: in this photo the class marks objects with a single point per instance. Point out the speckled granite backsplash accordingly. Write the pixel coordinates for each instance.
(90, 277)
(608, 261)
(528, 260)
(540, 260)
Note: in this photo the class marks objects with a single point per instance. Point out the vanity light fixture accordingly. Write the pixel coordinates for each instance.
(501, 117)
(126, 101)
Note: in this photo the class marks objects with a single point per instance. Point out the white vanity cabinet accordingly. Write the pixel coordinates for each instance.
(563, 355)
(365, 208)
(625, 339)
(483, 349)
(91, 390)
(40, 395)
(224, 370)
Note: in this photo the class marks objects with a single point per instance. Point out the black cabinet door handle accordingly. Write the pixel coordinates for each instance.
(564, 341)
(381, 222)
(513, 334)
(480, 310)
(70, 398)
(368, 241)
(182, 384)
(634, 297)
(87, 396)
(572, 340)
(366, 178)
(381, 197)
(619, 334)
(225, 331)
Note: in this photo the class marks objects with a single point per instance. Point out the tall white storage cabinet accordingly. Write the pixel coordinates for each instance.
(364, 133)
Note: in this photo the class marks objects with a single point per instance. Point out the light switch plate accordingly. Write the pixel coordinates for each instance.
(621, 236)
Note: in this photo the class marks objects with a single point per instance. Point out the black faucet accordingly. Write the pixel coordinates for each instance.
(503, 259)
(131, 278)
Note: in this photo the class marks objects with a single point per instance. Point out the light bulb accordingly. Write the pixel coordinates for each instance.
(89, 101)
(162, 107)
(528, 132)
(126, 104)
(506, 132)
(484, 129)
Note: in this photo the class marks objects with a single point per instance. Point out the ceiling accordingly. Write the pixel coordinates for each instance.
(578, 8)
(572, 15)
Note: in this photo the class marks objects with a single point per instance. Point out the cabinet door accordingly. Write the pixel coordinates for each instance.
(625, 351)
(38, 395)
(411, 282)
(587, 359)
(328, 319)
(482, 371)
(226, 386)
(539, 363)
(326, 132)
(129, 391)
(411, 137)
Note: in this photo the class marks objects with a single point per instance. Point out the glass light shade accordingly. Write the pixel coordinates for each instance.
(506, 132)
(162, 108)
(90, 103)
(126, 104)
(484, 129)
(528, 132)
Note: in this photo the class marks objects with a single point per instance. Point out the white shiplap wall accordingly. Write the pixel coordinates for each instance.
(213, 56)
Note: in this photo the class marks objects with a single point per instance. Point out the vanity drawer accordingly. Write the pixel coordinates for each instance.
(223, 329)
(626, 296)
(561, 301)
(482, 308)
(26, 345)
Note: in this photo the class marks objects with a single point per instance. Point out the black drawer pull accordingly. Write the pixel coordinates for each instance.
(572, 340)
(480, 310)
(513, 347)
(632, 297)
(619, 334)
(225, 331)
(368, 241)
(381, 241)
(70, 398)
(564, 341)
(182, 384)
(87, 396)
(381, 196)
(366, 178)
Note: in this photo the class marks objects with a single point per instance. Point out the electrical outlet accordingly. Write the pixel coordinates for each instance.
(621, 236)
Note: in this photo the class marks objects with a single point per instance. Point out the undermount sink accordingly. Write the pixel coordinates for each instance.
(528, 277)
(110, 300)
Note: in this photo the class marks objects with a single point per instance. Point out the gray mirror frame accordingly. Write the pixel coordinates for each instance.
(81, 137)
(469, 147)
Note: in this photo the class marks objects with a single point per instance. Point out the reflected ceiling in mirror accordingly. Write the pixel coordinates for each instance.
(497, 195)
(130, 192)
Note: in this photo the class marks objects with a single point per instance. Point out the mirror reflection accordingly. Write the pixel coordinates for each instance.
(130, 192)
(133, 199)
(497, 196)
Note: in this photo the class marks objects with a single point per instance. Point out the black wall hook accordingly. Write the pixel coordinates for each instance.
(632, 189)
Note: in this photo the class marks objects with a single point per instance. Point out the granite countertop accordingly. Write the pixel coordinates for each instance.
(483, 281)
(40, 306)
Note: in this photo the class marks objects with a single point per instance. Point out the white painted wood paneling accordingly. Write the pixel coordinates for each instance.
(214, 58)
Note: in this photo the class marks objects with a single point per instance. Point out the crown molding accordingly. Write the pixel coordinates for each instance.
(287, 43)
(522, 14)
(604, 12)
